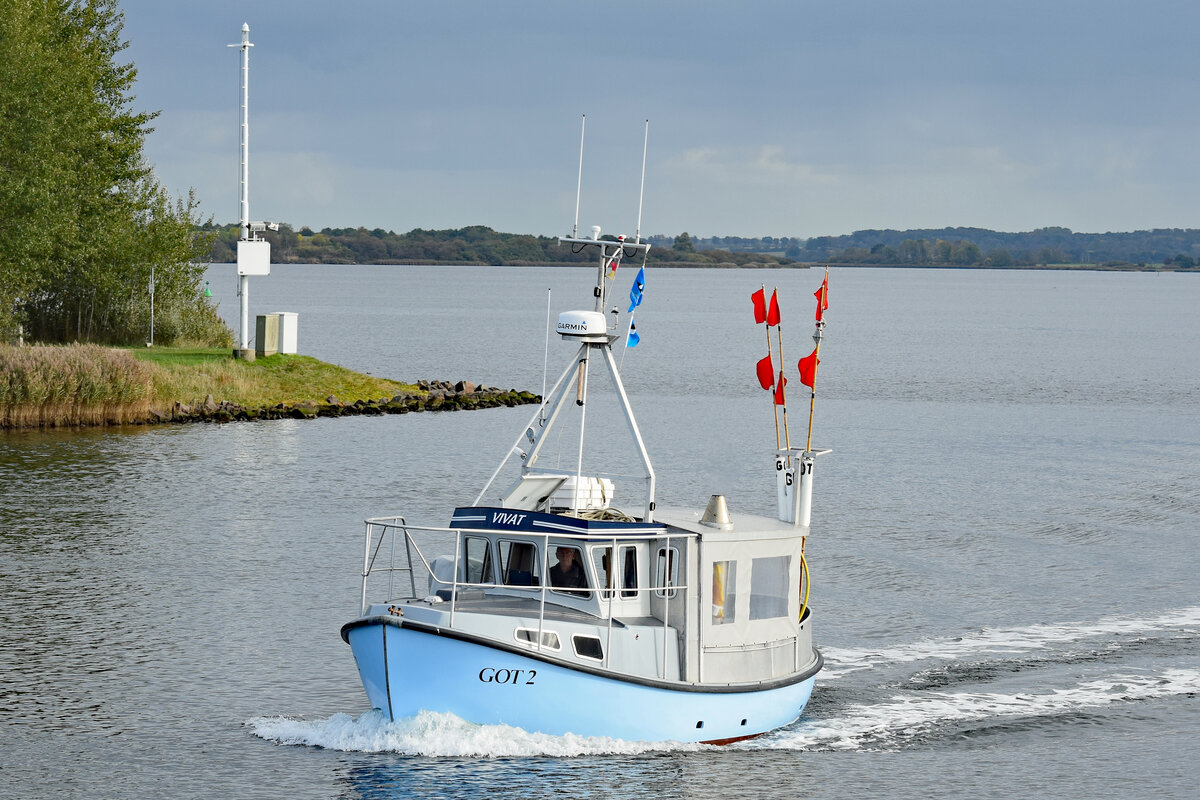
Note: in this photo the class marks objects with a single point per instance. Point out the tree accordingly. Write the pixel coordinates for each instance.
(83, 220)
(999, 258)
(683, 244)
(966, 253)
(942, 251)
(913, 251)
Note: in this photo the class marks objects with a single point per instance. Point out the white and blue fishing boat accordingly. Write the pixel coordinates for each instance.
(555, 607)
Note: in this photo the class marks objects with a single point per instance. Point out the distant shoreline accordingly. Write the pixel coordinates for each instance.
(792, 265)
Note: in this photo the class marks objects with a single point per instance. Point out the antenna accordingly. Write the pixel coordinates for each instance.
(637, 234)
(244, 173)
(579, 183)
(545, 361)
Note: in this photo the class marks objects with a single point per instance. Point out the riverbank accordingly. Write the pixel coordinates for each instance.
(85, 385)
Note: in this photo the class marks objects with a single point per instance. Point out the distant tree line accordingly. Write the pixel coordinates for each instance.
(476, 244)
(788, 247)
(946, 247)
(1179, 248)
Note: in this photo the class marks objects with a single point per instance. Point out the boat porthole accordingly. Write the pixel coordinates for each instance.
(743, 722)
(700, 724)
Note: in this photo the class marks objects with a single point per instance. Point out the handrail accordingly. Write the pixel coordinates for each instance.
(454, 582)
(397, 524)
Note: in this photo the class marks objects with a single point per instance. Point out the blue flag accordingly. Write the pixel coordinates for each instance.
(632, 339)
(635, 291)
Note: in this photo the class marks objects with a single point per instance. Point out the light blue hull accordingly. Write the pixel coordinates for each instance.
(405, 671)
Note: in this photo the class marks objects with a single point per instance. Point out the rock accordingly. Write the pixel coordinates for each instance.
(305, 410)
(464, 387)
(332, 400)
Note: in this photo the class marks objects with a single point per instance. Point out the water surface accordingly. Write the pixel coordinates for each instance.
(1003, 545)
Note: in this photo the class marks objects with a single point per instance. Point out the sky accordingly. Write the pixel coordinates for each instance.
(766, 117)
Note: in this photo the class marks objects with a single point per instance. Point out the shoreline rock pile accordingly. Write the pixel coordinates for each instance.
(435, 396)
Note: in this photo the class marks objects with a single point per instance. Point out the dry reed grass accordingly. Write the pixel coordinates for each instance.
(61, 385)
(67, 385)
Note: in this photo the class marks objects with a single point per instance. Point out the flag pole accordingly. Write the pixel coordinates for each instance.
(631, 331)
(818, 335)
(774, 405)
(625, 349)
(787, 439)
(812, 400)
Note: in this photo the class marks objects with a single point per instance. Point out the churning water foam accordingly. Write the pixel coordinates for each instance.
(904, 718)
(1000, 641)
(440, 734)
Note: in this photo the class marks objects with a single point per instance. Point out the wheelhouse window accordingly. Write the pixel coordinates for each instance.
(588, 647)
(610, 578)
(769, 587)
(478, 561)
(519, 564)
(666, 571)
(549, 638)
(629, 573)
(605, 574)
(568, 574)
(724, 592)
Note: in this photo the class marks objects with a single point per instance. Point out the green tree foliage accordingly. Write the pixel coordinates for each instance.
(683, 244)
(83, 220)
(999, 258)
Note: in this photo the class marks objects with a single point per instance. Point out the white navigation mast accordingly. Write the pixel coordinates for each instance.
(253, 254)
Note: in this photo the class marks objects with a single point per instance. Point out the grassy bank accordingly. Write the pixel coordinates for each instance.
(189, 375)
(68, 385)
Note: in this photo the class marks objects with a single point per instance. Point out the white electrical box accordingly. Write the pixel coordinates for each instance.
(288, 321)
(253, 257)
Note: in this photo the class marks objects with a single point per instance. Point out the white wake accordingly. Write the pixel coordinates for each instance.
(1000, 641)
(439, 734)
(886, 725)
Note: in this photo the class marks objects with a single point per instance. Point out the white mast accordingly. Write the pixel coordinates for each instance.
(254, 255)
(244, 172)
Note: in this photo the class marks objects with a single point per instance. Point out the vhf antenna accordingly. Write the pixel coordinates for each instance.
(637, 234)
(579, 183)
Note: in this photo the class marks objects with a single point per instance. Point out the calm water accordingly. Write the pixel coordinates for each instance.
(1004, 553)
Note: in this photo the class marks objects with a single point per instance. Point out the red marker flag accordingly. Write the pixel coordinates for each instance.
(766, 372)
(773, 311)
(822, 296)
(808, 367)
(779, 384)
(760, 306)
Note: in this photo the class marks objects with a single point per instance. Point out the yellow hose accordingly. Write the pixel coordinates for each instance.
(803, 577)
